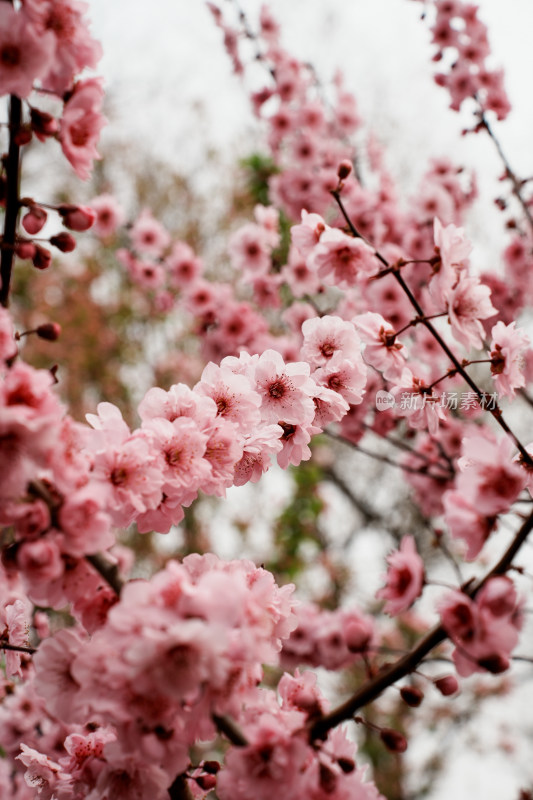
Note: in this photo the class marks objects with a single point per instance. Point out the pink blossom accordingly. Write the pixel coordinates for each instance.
(285, 389)
(44, 774)
(249, 249)
(182, 446)
(25, 53)
(490, 478)
(484, 630)
(73, 45)
(223, 450)
(506, 353)
(179, 401)
(14, 630)
(258, 447)
(81, 124)
(452, 250)
(466, 523)
(326, 336)
(84, 523)
(308, 233)
(130, 476)
(469, 303)
(109, 215)
(342, 260)
(299, 276)
(54, 680)
(8, 348)
(382, 351)
(40, 560)
(148, 236)
(347, 377)
(183, 266)
(405, 578)
(295, 440)
(233, 395)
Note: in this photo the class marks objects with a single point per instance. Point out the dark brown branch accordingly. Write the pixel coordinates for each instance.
(390, 674)
(107, 570)
(180, 789)
(510, 173)
(230, 729)
(12, 168)
(18, 648)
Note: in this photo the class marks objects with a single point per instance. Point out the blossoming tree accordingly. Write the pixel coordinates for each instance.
(351, 317)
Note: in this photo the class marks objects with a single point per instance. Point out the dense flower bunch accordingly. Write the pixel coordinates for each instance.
(382, 317)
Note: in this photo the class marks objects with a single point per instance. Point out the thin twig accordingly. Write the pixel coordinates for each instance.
(371, 690)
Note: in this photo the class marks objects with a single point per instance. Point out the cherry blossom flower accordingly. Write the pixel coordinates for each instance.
(506, 353)
(81, 124)
(490, 478)
(469, 303)
(109, 215)
(452, 250)
(25, 53)
(285, 389)
(148, 236)
(74, 48)
(484, 630)
(325, 336)
(405, 578)
(382, 350)
(342, 260)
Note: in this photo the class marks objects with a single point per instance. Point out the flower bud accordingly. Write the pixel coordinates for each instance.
(393, 741)
(206, 782)
(64, 242)
(42, 257)
(34, 220)
(357, 636)
(494, 664)
(76, 218)
(344, 169)
(49, 331)
(412, 696)
(25, 250)
(447, 685)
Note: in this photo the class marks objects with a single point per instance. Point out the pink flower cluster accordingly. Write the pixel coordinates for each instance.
(46, 44)
(222, 432)
(173, 652)
(461, 38)
(278, 753)
(329, 639)
(484, 630)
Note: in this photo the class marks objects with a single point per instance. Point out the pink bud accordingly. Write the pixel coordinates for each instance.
(64, 242)
(394, 741)
(206, 782)
(42, 257)
(447, 685)
(49, 331)
(77, 218)
(412, 696)
(34, 220)
(25, 250)
(357, 636)
(344, 169)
